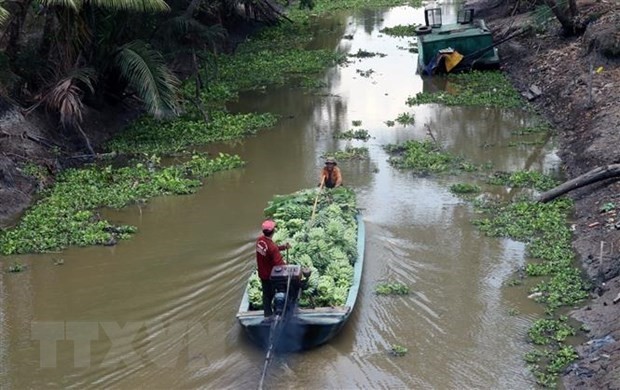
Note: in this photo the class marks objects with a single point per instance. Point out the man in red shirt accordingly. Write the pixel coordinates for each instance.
(268, 256)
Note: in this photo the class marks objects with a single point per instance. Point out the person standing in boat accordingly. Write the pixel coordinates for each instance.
(268, 256)
(330, 175)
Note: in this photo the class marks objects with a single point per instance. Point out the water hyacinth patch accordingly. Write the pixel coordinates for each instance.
(66, 214)
(149, 135)
(485, 89)
(398, 350)
(391, 288)
(424, 157)
(366, 54)
(326, 244)
(465, 188)
(360, 134)
(543, 227)
(351, 153)
(405, 119)
(324, 6)
(401, 30)
(524, 179)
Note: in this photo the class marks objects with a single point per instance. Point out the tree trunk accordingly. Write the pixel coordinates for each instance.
(593, 176)
(568, 18)
(189, 12)
(48, 34)
(14, 29)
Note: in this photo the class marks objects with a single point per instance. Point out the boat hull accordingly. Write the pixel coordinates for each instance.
(307, 328)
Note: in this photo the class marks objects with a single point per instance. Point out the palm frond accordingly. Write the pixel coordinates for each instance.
(65, 96)
(134, 5)
(190, 28)
(4, 14)
(145, 71)
(71, 4)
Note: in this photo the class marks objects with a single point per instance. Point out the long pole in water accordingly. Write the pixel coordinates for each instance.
(274, 334)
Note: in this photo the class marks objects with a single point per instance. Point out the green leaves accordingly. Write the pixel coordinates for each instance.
(125, 5)
(424, 157)
(524, 179)
(486, 89)
(145, 70)
(391, 288)
(65, 215)
(151, 136)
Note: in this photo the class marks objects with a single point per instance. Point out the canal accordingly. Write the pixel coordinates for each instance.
(159, 309)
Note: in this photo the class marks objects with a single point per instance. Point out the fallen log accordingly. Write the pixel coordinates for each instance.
(593, 176)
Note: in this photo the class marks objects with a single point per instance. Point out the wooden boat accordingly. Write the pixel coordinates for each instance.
(308, 328)
(467, 44)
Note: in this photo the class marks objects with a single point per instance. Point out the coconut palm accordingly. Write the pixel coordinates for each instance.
(4, 14)
(89, 45)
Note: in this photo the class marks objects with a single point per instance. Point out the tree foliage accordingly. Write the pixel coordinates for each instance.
(66, 55)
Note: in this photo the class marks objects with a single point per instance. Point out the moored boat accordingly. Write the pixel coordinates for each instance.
(443, 48)
(309, 326)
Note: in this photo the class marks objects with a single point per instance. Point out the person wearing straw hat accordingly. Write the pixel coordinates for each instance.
(268, 256)
(330, 175)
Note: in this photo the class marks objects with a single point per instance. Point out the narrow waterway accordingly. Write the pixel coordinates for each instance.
(159, 310)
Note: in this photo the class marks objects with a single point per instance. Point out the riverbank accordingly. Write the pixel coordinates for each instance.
(580, 82)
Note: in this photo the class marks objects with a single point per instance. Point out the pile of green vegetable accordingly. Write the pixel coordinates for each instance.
(325, 243)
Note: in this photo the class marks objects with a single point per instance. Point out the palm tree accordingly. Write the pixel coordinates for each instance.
(4, 14)
(88, 56)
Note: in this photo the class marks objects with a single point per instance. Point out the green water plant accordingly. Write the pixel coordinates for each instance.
(398, 350)
(401, 30)
(425, 157)
(359, 134)
(485, 89)
(465, 188)
(524, 179)
(67, 213)
(366, 54)
(544, 229)
(16, 267)
(148, 135)
(391, 288)
(405, 119)
(351, 153)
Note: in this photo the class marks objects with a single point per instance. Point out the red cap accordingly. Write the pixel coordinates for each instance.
(269, 225)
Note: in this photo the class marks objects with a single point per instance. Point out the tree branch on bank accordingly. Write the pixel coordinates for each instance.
(593, 176)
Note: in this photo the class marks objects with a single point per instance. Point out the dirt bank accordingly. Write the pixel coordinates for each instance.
(580, 82)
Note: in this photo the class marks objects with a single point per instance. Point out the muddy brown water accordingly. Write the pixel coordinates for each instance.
(159, 310)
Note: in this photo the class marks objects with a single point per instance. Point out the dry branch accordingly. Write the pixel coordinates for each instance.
(593, 176)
